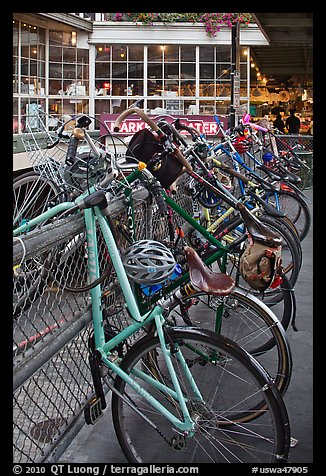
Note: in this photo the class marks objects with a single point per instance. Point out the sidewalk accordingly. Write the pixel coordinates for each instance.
(98, 444)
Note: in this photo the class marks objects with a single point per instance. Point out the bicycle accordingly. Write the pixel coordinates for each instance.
(211, 201)
(163, 383)
(285, 195)
(264, 335)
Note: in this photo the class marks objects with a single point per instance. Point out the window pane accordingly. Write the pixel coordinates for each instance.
(55, 70)
(54, 86)
(223, 53)
(136, 53)
(69, 71)
(171, 70)
(172, 85)
(154, 87)
(119, 70)
(82, 56)
(155, 53)
(153, 104)
(136, 70)
(188, 70)
(223, 71)
(15, 38)
(188, 53)
(24, 67)
(25, 51)
(207, 88)
(119, 88)
(206, 53)
(207, 107)
(41, 69)
(206, 71)
(69, 55)
(119, 53)
(103, 53)
(55, 54)
(81, 71)
(136, 88)
(171, 53)
(188, 88)
(15, 117)
(102, 70)
(33, 68)
(243, 71)
(55, 38)
(66, 38)
(154, 71)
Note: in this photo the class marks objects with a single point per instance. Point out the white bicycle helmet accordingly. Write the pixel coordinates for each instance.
(148, 262)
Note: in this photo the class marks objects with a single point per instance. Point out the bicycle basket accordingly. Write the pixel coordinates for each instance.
(258, 264)
(87, 169)
(144, 146)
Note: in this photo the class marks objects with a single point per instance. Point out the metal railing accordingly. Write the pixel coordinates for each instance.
(52, 328)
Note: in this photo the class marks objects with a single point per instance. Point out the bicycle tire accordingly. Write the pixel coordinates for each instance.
(229, 405)
(296, 208)
(245, 320)
(32, 194)
(291, 261)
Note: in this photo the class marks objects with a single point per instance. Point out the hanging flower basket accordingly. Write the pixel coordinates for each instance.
(213, 22)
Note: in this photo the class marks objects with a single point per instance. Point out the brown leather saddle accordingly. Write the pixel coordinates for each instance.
(203, 279)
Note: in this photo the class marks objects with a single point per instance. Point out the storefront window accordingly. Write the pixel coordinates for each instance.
(15, 128)
(32, 60)
(15, 78)
(68, 66)
(119, 71)
(177, 83)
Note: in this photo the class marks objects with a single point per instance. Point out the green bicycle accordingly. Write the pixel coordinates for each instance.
(163, 383)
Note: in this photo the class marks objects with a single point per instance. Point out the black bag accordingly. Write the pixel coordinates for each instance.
(144, 146)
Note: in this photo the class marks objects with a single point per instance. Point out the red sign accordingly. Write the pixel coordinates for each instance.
(204, 124)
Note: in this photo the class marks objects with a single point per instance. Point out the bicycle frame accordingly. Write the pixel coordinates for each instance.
(139, 320)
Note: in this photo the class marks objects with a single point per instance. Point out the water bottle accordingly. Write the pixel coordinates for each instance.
(150, 290)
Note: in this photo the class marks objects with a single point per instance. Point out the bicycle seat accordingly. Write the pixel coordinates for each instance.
(267, 186)
(273, 174)
(270, 209)
(257, 229)
(203, 279)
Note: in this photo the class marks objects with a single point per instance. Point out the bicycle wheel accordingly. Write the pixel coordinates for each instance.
(236, 392)
(32, 195)
(247, 321)
(294, 207)
(291, 253)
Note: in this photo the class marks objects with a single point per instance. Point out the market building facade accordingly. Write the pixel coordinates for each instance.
(65, 63)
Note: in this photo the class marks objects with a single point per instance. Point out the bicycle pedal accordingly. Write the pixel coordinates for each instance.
(93, 410)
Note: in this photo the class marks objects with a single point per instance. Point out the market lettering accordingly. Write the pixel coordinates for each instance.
(131, 126)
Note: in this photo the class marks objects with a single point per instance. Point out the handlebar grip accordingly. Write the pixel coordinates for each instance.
(156, 191)
(72, 150)
(179, 127)
(257, 127)
(138, 103)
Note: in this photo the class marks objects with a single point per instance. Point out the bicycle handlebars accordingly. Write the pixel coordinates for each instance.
(163, 138)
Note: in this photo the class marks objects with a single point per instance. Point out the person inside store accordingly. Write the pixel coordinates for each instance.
(293, 123)
(279, 124)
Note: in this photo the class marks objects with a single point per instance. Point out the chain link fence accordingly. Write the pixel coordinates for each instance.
(52, 325)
